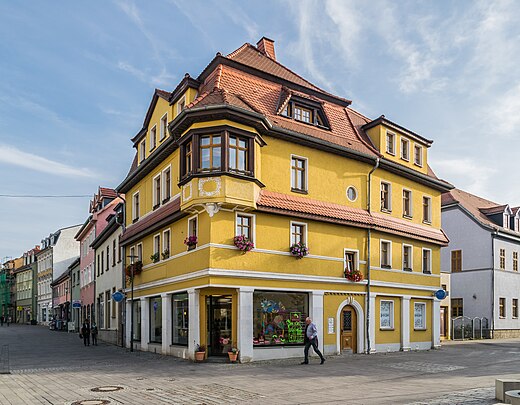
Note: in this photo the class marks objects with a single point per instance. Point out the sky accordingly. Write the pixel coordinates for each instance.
(76, 79)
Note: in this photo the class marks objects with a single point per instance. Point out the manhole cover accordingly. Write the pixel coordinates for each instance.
(91, 402)
(108, 388)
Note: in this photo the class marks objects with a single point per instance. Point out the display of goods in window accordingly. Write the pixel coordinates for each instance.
(299, 250)
(243, 243)
(353, 275)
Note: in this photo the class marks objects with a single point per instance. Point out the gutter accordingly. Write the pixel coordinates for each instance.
(369, 235)
(123, 273)
(493, 236)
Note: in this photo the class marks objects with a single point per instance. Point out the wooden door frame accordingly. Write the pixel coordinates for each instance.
(360, 330)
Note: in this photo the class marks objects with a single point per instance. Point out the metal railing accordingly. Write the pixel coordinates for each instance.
(464, 327)
(4, 360)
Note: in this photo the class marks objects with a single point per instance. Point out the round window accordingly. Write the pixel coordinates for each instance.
(351, 193)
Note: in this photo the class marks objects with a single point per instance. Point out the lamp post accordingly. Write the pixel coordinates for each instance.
(132, 257)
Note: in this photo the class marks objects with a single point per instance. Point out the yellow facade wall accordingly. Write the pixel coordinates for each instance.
(391, 335)
(420, 335)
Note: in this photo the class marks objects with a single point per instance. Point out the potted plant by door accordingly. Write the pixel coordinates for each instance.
(200, 353)
(233, 354)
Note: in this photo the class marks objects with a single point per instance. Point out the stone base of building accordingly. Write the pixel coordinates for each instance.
(110, 336)
(506, 333)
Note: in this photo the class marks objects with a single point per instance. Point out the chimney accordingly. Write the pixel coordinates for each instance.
(266, 46)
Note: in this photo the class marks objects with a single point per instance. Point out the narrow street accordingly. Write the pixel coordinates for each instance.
(50, 367)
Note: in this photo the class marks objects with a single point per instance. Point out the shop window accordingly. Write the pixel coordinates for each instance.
(137, 321)
(279, 318)
(155, 320)
(386, 315)
(180, 319)
(457, 307)
(419, 315)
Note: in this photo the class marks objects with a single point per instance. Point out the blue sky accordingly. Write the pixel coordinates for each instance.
(76, 79)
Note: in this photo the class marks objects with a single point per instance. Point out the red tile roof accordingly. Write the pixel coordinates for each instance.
(146, 222)
(305, 207)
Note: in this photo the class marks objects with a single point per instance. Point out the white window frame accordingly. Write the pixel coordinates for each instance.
(356, 258)
(407, 142)
(391, 315)
(429, 261)
(164, 130)
(405, 245)
(423, 324)
(135, 214)
(153, 139)
(139, 248)
(132, 254)
(420, 162)
(142, 150)
(253, 224)
(506, 220)
(393, 136)
(305, 229)
(163, 180)
(157, 249)
(190, 219)
(181, 100)
(169, 242)
(355, 193)
(389, 209)
(429, 220)
(517, 222)
(389, 253)
(306, 171)
(410, 215)
(156, 203)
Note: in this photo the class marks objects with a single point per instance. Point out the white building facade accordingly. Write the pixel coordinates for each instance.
(482, 258)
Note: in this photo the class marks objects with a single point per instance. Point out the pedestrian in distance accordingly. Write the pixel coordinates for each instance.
(94, 332)
(310, 338)
(2, 320)
(85, 332)
(8, 320)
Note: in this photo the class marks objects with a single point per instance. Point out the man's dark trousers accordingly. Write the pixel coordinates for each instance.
(314, 343)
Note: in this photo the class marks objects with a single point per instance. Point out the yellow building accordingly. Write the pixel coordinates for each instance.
(251, 153)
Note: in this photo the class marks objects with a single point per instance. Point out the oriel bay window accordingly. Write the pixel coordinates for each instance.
(220, 151)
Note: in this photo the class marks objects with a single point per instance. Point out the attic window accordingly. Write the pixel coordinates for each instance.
(305, 111)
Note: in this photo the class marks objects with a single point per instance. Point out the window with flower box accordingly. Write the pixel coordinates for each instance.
(244, 226)
(298, 233)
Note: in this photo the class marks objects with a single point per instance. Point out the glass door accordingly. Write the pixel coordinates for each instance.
(219, 324)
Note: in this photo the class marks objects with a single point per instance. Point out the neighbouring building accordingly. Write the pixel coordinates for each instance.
(343, 212)
(26, 285)
(61, 299)
(74, 274)
(58, 251)
(109, 278)
(101, 206)
(8, 287)
(445, 323)
(483, 261)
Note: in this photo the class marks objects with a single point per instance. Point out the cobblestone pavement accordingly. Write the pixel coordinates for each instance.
(55, 368)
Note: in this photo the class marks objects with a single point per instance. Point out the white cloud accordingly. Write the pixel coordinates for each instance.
(15, 157)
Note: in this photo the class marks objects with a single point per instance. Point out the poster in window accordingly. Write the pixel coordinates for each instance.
(386, 314)
(419, 313)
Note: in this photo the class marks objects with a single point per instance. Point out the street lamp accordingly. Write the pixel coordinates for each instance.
(132, 257)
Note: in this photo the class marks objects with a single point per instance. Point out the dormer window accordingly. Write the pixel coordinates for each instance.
(142, 151)
(153, 138)
(506, 220)
(307, 111)
(517, 224)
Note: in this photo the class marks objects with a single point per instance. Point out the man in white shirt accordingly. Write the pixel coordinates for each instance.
(311, 339)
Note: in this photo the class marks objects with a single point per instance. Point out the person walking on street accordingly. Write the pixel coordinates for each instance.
(85, 332)
(94, 332)
(2, 320)
(8, 320)
(310, 338)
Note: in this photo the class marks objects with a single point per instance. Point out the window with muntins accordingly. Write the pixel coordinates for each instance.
(210, 152)
(164, 126)
(167, 184)
(390, 143)
(298, 174)
(244, 226)
(153, 138)
(386, 261)
(407, 203)
(135, 207)
(157, 244)
(166, 244)
(427, 210)
(419, 315)
(407, 257)
(297, 233)
(426, 261)
(386, 197)
(142, 151)
(515, 308)
(405, 149)
(418, 155)
(157, 191)
(456, 261)
(502, 307)
(188, 153)
(502, 259)
(515, 261)
(457, 307)
(350, 261)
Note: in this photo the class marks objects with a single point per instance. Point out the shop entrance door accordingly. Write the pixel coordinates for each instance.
(348, 329)
(219, 324)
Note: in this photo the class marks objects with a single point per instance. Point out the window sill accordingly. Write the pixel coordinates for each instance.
(166, 200)
(417, 164)
(405, 159)
(297, 190)
(386, 266)
(407, 269)
(420, 329)
(388, 329)
(386, 211)
(390, 153)
(135, 220)
(427, 272)
(407, 216)
(427, 222)
(152, 149)
(502, 317)
(156, 206)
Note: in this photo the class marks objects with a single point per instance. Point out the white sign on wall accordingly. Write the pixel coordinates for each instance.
(331, 326)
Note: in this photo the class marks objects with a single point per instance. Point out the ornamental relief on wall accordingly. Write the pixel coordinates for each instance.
(209, 187)
(186, 192)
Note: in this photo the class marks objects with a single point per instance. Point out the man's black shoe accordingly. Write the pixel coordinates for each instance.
(304, 362)
(322, 361)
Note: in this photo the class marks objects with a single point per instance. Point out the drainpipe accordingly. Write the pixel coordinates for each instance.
(493, 235)
(369, 234)
(123, 273)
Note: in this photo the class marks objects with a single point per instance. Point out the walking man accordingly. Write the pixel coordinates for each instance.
(85, 332)
(311, 339)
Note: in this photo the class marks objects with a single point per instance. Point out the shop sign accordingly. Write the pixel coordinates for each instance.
(331, 326)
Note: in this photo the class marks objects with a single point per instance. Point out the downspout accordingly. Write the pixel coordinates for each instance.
(369, 235)
(123, 274)
(493, 235)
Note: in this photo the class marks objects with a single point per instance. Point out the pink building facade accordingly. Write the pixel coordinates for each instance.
(101, 206)
(61, 293)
